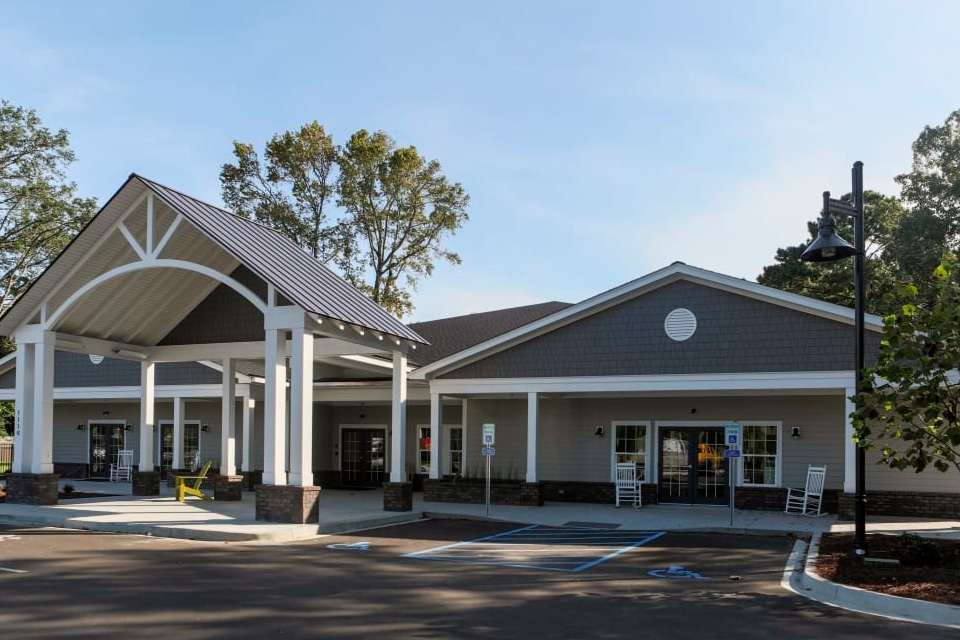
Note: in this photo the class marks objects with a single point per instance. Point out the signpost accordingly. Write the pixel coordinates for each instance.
(731, 438)
(489, 439)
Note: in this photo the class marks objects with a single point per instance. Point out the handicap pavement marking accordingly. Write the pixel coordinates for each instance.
(542, 547)
(354, 546)
(676, 572)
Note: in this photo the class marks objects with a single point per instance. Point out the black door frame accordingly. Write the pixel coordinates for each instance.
(110, 452)
(365, 477)
(695, 465)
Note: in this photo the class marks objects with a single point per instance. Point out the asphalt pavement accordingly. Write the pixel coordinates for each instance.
(430, 579)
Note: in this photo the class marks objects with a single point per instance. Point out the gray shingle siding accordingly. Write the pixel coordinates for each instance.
(223, 316)
(8, 380)
(76, 370)
(735, 334)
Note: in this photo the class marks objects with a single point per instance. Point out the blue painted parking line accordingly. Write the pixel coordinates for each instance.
(542, 547)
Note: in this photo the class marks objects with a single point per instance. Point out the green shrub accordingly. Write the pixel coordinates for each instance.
(918, 552)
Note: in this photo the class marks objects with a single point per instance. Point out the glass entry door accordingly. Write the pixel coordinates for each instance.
(692, 467)
(106, 440)
(363, 457)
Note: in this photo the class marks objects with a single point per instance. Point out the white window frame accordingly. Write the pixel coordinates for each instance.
(778, 475)
(157, 444)
(648, 425)
(722, 423)
(446, 462)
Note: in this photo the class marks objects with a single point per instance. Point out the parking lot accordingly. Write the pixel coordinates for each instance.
(430, 579)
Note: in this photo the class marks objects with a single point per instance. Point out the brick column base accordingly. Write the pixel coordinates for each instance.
(228, 488)
(251, 479)
(33, 488)
(146, 483)
(282, 503)
(531, 494)
(397, 496)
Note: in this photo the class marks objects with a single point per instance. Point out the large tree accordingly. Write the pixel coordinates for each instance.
(377, 213)
(906, 236)
(39, 209)
(909, 404)
(399, 208)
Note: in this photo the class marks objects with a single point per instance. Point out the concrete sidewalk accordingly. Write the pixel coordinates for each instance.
(348, 510)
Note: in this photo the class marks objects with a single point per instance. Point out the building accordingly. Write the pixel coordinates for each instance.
(648, 372)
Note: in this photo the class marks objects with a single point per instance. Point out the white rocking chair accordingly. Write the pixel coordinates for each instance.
(123, 468)
(628, 486)
(807, 501)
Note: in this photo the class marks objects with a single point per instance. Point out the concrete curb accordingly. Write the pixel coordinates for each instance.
(800, 578)
(206, 533)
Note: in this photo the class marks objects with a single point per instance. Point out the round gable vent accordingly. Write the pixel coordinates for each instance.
(95, 359)
(680, 324)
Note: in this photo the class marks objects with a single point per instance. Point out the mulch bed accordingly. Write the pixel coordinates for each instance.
(935, 580)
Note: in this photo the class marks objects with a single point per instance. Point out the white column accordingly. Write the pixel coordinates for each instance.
(398, 455)
(301, 408)
(23, 408)
(179, 415)
(533, 421)
(465, 439)
(249, 406)
(436, 435)
(274, 409)
(147, 400)
(41, 454)
(849, 447)
(228, 419)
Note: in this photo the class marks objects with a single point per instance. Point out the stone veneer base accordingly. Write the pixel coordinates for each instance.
(251, 479)
(146, 483)
(289, 504)
(33, 488)
(527, 494)
(397, 496)
(228, 488)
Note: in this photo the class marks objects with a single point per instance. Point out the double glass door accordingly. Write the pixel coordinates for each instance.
(363, 457)
(692, 467)
(106, 440)
(191, 446)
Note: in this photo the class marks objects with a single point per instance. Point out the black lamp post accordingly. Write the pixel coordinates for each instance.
(829, 247)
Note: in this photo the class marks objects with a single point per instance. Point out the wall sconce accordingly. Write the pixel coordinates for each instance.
(795, 433)
(127, 427)
(81, 427)
(205, 427)
(105, 413)
(598, 431)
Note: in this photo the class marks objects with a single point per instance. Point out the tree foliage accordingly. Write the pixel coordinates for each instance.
(909, 404)
(39, 210)
(394, 208)
(906, 236)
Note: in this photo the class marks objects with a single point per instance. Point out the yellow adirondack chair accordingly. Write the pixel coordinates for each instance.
(183, 489)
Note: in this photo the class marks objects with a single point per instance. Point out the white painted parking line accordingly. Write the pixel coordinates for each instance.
(542, 547)
(6, 570)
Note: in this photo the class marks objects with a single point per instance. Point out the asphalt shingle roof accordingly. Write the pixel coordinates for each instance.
(450, 335)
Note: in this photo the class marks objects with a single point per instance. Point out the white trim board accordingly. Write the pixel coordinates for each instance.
(814, 382)
(650, 282)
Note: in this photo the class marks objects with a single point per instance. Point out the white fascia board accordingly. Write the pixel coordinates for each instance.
(133, 393)
(369, 394)
(718, 382)
(632, 289)
(8, 362)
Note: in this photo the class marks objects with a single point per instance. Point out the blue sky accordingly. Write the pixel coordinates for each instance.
(599, 141)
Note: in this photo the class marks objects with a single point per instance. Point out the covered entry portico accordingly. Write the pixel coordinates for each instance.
(158, 276)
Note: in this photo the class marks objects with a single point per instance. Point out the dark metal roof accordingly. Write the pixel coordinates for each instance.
(450, 335)
(282, 263)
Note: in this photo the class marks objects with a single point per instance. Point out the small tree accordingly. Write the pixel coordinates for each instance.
(909, 404)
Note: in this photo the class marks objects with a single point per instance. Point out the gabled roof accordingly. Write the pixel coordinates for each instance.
(450, 335)
(271, 256)
(655, 280)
